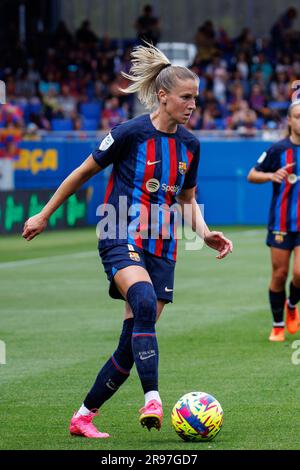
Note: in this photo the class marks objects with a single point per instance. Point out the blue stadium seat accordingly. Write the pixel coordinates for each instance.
(220, 123)
(279, 105)
(26, 111)
(91, 110)
(259, 123)
(34, 108)
(89, 124)
(62, 124)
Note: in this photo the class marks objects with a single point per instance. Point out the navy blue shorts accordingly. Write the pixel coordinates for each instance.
(160, 270)
(283, 240)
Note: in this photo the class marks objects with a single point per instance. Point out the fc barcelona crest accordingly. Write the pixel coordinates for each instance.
(134, 256)
(278, 238)
(182, 168)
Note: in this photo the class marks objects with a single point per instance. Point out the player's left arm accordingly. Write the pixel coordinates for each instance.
(192, 215)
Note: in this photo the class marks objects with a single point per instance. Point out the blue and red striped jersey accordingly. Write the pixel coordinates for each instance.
(284, 213)
(150, 168)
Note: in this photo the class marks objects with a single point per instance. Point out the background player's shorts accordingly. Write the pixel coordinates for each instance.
(160, 270)
(283, 240)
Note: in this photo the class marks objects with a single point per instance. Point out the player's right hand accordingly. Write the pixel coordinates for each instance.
(281, 174)
(33, 226)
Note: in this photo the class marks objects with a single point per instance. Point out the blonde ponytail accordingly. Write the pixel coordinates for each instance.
(151, 70)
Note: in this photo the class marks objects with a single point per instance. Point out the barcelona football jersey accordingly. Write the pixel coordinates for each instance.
(150, 168)
(285, 205)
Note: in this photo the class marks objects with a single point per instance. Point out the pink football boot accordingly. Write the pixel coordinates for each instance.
(151, 415)
(83, 426)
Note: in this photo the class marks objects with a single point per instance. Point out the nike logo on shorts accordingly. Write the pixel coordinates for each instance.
(168, 290)
(153, 163)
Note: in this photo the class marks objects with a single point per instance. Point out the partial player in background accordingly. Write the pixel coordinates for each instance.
(281, 165)
(155, 161)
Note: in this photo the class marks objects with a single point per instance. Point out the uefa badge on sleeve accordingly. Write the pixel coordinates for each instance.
(182, 168)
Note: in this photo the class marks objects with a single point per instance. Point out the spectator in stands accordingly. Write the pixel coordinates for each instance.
(245, 43)
(85, 35)
(24, 86)
(242, 65)
(237, 95)
(261, 63)
(257, 100)
(49, 83)
(148, 26)
(206, 47)
(62, 36)
(31, 132)
(113, 114)
(282, 30)
(244, 119)
(279, 86)
(66, 103)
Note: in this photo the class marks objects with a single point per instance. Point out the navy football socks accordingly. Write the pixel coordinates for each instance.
(114, 373)
(143, 302)
(277, 300)
(294, 296)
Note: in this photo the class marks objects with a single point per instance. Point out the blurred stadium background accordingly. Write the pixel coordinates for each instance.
(60, 61)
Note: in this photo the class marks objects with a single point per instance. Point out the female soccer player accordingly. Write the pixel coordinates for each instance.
(155, 162)
(281, 165)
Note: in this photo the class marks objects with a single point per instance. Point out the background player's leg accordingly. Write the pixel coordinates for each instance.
(292, 314)
(280, 268)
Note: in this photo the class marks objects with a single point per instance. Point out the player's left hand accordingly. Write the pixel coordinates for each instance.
(217, 241)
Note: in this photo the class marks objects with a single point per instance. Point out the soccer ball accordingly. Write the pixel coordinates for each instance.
(197, 416)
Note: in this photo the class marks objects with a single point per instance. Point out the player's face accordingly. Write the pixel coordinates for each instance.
(294, 120)
(180, 102)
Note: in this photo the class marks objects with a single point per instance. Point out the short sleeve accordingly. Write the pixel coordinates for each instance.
(110, 147)
(268, 161)
(190, 179)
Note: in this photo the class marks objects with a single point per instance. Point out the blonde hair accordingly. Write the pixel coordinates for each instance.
(152, 71)
(289, 113)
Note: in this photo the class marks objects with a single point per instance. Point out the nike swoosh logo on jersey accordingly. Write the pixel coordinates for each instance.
(168, 290)
(153, 163)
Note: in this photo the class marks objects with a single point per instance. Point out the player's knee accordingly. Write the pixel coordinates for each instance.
(143, 301)
(279, 276)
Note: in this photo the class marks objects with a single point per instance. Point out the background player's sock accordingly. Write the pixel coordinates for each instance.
(114, 373)
(152, 395)
(294, 296)
(277, 300)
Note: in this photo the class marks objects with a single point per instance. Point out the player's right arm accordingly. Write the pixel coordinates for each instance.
(268, 167)
(36, 224)
(278, 176)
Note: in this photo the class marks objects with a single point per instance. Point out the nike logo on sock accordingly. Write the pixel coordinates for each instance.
(168, 290)
(142, 358)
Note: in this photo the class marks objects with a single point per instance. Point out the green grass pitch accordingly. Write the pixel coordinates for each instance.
(59, 326)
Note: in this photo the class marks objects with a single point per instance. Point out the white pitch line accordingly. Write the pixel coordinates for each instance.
(29, 262)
